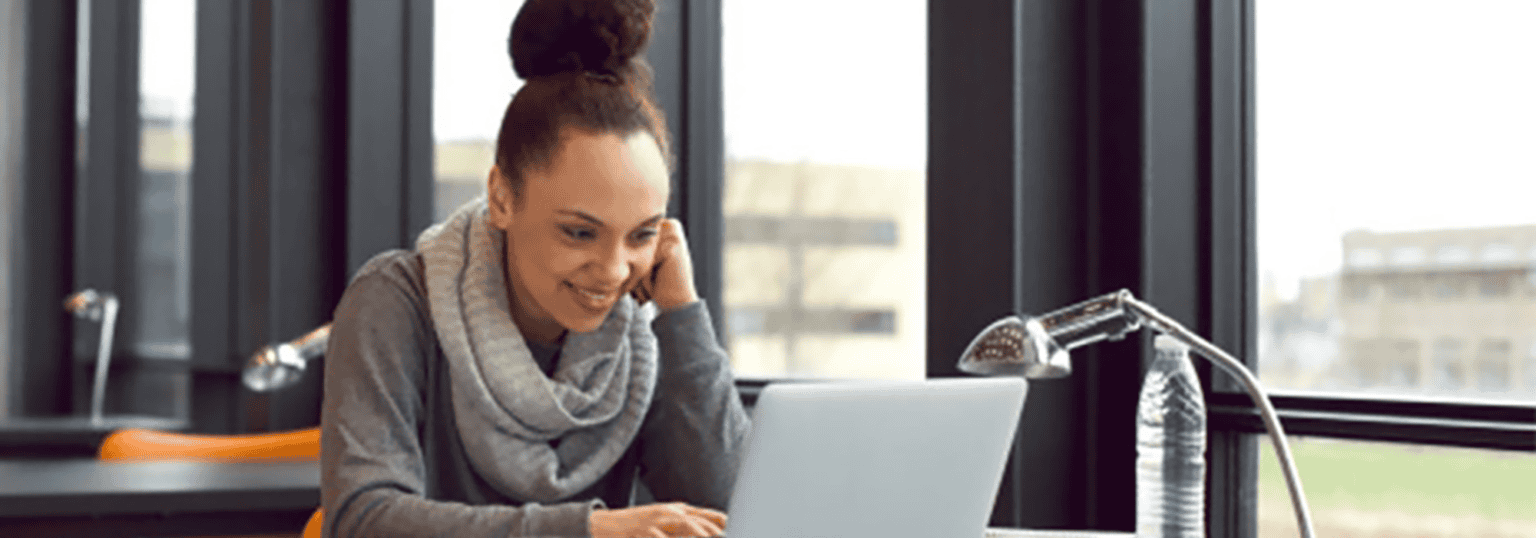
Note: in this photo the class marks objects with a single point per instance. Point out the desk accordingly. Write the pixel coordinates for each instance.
(71, 436)
(87, 497)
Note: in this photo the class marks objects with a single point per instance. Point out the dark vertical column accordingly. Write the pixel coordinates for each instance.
(254, 203)
(973, 164)
(420, 183)
(216, 157)
(389, 128)
(305, 260)
(40, 380)
(702, 157)
(1054, 462)
(1198, 201)
(1176, 201)
(13, 33)
(1228, 52)
(107, 187)
(1112, 371)
(269, 207)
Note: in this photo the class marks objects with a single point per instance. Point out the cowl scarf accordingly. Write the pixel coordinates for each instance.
(508, 411)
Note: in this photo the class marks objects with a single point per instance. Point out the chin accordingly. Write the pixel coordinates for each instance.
(583, 322)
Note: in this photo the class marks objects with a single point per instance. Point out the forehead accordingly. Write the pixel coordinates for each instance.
(608, 175)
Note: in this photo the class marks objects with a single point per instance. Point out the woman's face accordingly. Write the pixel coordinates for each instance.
(585, 231)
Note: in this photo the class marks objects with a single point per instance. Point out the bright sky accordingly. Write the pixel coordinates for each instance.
(473, 78)
(166, 47)
(788, 97)
(832, 81)
(1390, 115)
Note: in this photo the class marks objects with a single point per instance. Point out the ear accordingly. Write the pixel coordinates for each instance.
(499, 199)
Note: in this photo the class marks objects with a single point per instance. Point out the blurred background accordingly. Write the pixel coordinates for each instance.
(1392, 203)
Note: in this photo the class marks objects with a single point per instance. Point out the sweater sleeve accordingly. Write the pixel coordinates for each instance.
(373, 477)
(696, 428)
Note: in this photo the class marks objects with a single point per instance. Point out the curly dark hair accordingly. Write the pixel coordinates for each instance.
(583, 69)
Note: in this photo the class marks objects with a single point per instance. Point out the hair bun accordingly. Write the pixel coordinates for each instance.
(595, 36)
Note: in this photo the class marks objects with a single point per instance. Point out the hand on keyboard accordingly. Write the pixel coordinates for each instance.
(669, 520)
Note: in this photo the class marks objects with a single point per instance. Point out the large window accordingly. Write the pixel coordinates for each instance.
(134, 144)
(161, 262)
(472, 83)
(1392, 144)
(1397, 247)
(824, 202)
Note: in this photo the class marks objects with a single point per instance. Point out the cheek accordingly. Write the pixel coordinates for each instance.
(540, 261)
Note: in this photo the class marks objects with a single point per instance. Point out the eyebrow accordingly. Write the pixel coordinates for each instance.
(598, 222)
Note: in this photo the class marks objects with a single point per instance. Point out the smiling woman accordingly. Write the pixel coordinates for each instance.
(542, 346)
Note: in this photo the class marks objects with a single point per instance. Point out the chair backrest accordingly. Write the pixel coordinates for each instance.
(312, 528)
(139, 444)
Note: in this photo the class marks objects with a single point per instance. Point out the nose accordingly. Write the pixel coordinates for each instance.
(614, 266)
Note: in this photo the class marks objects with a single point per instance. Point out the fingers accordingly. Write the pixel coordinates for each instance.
(642, 290)
(714, 517)
(687, 521)
(671, 520)
(673, 231)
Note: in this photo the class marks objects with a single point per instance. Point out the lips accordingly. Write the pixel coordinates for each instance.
(594, 301)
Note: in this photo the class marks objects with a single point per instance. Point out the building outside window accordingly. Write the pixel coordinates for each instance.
(1405, 171)
(824, 188)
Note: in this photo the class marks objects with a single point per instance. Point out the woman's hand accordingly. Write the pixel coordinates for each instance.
(670, 520)
(670, 282)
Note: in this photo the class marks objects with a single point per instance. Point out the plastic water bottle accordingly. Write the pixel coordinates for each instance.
(1170, 446)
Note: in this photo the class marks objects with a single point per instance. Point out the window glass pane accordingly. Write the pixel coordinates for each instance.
(162, 258)
(1358, 488)
(826, 146)
(156, 323)
(1396, 239)
(472, 82)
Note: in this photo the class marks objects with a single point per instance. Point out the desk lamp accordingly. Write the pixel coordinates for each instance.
(1036, 347)
(277, 366)
(94, 306)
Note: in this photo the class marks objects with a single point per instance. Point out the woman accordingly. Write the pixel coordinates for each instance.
(544, 347)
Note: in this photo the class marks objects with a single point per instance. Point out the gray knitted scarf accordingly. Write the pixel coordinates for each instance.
(507, 409)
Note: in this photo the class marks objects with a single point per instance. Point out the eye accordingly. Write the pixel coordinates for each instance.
(645, 234)
(579, 233)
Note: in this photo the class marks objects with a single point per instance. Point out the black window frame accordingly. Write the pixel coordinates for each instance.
(1121, 132)
(287, 194)
(1132, 158)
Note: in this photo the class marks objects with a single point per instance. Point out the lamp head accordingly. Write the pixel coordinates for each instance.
(272, 368)
(1016, 346)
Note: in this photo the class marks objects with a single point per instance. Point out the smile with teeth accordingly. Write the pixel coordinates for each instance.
(596, 301)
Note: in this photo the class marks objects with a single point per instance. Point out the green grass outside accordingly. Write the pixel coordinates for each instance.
(1389, 477)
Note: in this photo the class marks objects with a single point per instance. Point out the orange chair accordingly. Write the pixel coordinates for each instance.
(141, 445)
(312, 528)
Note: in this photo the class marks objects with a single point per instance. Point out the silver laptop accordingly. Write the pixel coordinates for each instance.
(875, 459)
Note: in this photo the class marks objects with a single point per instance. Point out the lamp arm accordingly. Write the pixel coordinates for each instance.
(109, 308)
(1231, 365)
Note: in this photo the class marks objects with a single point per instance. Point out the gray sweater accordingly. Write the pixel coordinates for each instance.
(392, 463)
